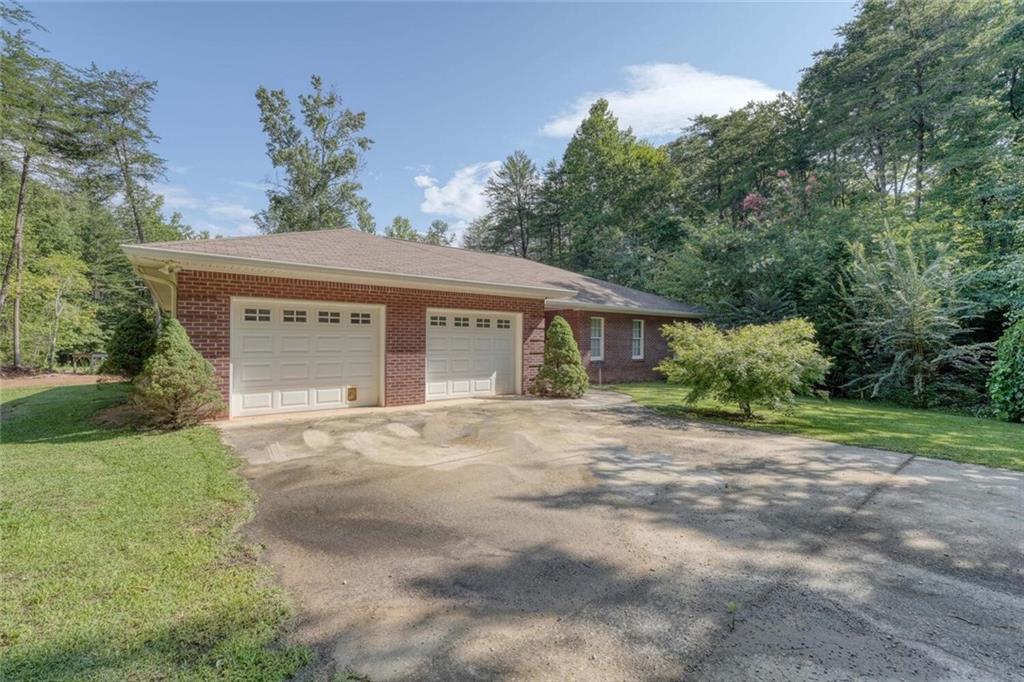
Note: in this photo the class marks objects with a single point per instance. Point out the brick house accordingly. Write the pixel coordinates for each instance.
(338, 318)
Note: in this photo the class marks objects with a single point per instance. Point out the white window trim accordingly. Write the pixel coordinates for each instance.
(594, 354)
(633, 339)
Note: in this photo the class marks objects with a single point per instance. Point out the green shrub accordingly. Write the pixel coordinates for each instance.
(1006, 382)
(562, 375)
(767, 364)
(176, 387)
(130, 345)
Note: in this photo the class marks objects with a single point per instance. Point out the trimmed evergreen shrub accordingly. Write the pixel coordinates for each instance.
(130, 345)
(176, 387)
(1006, 381)
(562, 375)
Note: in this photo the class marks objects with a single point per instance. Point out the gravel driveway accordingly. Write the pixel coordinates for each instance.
(593, 540)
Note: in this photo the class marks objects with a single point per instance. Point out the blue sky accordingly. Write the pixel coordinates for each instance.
(449, 89)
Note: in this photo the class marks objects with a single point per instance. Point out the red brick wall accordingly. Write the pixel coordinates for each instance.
(618, 363)
(204, 309)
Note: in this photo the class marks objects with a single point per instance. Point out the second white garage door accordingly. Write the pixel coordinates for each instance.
(470, 354)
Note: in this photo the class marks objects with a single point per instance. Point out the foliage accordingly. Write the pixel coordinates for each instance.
(177, 387)
(152, 580)
(401, 228)
(319, 158)
(872, 424)
(1006, 382)
(562, 374)
(512, 197)
(765, 364)
(59, 315)
(912, 316)
(438, 234)
(130, 345)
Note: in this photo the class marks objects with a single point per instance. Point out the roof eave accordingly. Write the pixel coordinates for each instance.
(140, 254)
(569, 304)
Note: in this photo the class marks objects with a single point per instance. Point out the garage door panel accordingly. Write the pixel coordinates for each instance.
(329, 344)
(295, 398)
(294, 343)
(257, 401)
(437, 342)
(328, 370)
(483, 344)
(359, 370)
(258, 343)
(460, 364)
(327, 397)
(462, 343)
(294, 371)
(253, 372)
(278, 364)
(437, 388)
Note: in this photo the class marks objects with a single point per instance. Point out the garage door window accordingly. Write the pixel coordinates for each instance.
(597, 338)
(294, 315)
(359, 318)
(256, 315)
(483, 323)
(438, 321)
(460, 322)
(504, 324)
(328, 317)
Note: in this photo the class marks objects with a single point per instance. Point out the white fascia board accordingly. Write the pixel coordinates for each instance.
(148, 255)
(568, 304)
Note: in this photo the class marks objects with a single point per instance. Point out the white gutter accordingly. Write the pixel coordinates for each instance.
(183, 260)
(567, 304)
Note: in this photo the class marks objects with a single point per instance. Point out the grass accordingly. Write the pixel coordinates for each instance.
(932, 433)
(121, 556)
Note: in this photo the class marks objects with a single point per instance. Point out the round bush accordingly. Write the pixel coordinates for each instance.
(1006, 381)
(130, 345)
(562, 375)
(177, 386)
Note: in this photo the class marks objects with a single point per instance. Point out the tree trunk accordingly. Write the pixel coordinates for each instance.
(919, 124)
(16, 326)
(140, 233)
(19, 223)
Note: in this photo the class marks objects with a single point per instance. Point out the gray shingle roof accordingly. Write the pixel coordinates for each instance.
(346, 248)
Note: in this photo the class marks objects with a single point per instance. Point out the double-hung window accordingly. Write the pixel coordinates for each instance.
(597, 338)
(638, 340)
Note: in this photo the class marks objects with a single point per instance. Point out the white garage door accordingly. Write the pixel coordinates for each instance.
(294, 356)
(470, 354)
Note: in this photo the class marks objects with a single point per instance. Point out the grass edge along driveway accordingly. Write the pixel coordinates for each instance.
(122, 557)
(932, 433)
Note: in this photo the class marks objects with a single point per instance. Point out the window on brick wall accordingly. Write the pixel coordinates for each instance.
(638, 340)
(597, 338)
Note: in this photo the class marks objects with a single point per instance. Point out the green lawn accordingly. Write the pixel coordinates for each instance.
(854, 422)
(120, 552)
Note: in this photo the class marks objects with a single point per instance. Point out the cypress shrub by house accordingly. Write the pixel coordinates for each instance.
(562, 375)
(1006, 381)
(176, 387)
(130, 345)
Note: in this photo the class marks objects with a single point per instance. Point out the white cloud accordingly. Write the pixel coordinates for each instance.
(176, 197)
(462, 197)
(230, 211)
(660, 99)
(247, 184)
(179, 169)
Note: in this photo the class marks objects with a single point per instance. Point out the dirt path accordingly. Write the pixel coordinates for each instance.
(39, 380)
